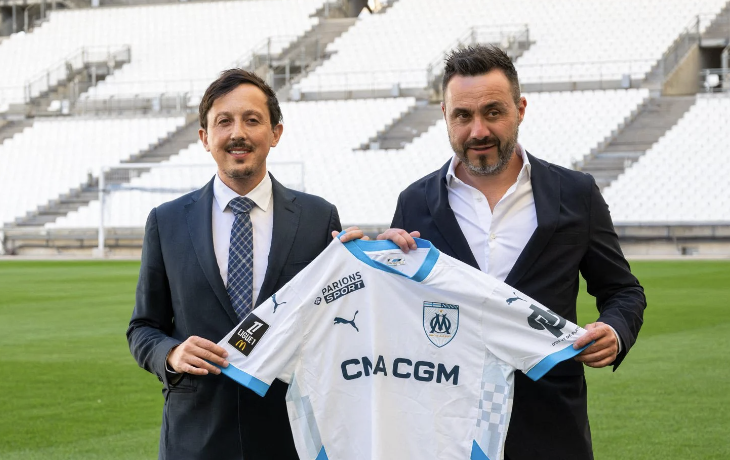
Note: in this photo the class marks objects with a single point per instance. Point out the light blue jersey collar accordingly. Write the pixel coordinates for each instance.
(358, 247)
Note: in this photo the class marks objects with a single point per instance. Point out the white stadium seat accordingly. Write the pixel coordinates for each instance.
(683, 177)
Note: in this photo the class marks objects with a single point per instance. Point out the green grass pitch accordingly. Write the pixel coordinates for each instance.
(70, 389)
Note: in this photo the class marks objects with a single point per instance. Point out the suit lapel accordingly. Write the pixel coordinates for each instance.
(546, 190)
(200, 226)
(286, 222)
(437, 199)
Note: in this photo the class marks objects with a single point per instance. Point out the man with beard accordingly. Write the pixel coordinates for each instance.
(534, 225)
(208, 258)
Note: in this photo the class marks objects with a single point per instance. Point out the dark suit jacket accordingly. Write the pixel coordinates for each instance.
(180, 293)
(574, 234)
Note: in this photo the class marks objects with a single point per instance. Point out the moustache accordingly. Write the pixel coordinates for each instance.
(483, 142)
(239, 144)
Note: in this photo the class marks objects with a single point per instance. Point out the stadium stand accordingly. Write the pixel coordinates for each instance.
(609, 88)
(336, 170)
(317, 144)
(59, 158)
(683, 178)
(572, 40)
(167, 57)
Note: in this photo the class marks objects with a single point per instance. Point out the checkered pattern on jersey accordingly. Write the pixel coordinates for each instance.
(495, 406)
(240, 257)
(492, 407)
(302, 420)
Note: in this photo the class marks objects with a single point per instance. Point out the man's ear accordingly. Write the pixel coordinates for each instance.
(521, 108)
(203, 135)
(278, 131)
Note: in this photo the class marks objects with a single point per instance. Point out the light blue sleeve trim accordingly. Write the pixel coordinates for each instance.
(477, 453)
(551, 360)
(322, 455)
(247, 380)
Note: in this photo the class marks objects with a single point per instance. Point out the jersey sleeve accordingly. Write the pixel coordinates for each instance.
(526, 334)
(265, 345)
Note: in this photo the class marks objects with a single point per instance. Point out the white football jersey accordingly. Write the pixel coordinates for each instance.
(396, 356)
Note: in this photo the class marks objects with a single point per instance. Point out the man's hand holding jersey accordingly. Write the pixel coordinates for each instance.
(403, 239)
(195, 355)
(605, 348)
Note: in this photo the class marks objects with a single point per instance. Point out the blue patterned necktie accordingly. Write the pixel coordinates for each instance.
(240, 257)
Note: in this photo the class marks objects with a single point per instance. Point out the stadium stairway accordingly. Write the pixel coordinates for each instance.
(718, 33)
(306, 54)
(177, 141)
(9, 128)
(406, 128)
(652, 120)
(77, 81)
(658, 114)
(74, 199)
(672, 58)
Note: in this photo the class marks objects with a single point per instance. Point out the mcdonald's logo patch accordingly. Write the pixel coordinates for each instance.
(248, 334)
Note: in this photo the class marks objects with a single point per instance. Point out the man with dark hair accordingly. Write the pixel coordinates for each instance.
(208, 258)
(534, 225)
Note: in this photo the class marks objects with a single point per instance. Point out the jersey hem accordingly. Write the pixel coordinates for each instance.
(477, 453)
(247, 380)
(551, 360)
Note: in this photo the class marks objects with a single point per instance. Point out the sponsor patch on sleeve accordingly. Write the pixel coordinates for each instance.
(248, 334)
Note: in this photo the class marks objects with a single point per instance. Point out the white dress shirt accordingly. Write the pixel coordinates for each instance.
(495, 238)
(262, 220)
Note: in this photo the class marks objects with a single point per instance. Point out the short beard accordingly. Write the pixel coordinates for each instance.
(482, 168)
(246, 172)
(239, 173)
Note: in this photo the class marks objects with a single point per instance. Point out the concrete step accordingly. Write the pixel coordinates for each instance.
(9, 129)
(628, 154)
(306, 54)
(653, 120)
(39, 220)
(411, 125)
(166, 148)
(718, 32)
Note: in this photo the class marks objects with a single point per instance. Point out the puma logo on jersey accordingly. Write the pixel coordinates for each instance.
(514, 299)
(339, 320)
(276, 304)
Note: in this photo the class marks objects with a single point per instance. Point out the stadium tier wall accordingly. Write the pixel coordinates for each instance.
(174, 49)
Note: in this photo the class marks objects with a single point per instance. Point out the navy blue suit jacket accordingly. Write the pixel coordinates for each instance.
(180, 293)
(574, 235)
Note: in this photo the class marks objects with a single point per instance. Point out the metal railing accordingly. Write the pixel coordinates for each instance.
(63, 71)
(182, 94)
(575, 72)
(715, 80)
(512, 38)
(689, 37)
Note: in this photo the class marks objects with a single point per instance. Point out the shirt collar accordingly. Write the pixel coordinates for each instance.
(260, 195)
(526, 170)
